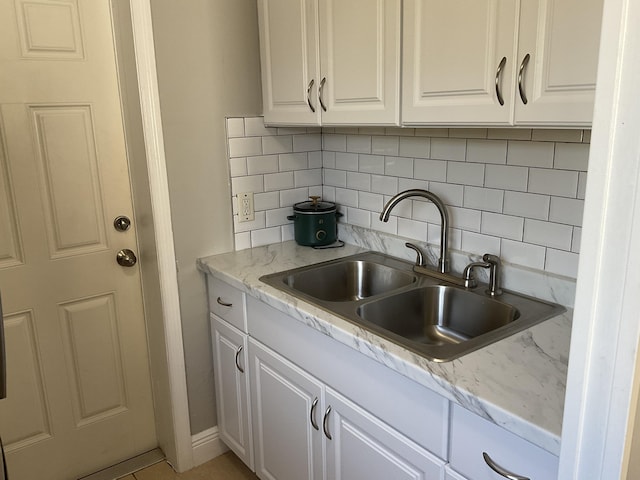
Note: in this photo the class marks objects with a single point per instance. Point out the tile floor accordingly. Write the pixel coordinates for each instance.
(224, 467)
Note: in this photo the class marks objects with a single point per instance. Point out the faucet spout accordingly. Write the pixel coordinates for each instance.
(443, 261)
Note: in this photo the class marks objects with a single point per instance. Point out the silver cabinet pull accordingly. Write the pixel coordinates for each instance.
(224, 304)
(498, 75)
(309, 95)
(238, 352)
(312, 414)
(325, 423)
(320, 92)
(501, 471)
(523, 65)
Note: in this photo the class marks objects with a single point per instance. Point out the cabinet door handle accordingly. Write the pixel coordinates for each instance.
(320, 92)
(309, 95)
(238, 352)
(523, 66)
(501, 471)
(498, 75)
(224, 304)
(312, 414)
(325, 423)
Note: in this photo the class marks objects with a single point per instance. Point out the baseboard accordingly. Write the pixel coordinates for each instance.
(207, 445)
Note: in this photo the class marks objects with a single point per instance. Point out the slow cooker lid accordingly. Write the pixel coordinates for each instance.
(314, 205)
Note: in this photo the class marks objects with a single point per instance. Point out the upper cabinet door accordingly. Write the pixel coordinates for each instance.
(561, 39)
(360, 61)
(458, 62)
(289, 58)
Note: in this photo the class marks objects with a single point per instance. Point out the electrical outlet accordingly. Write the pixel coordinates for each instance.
(245, 207)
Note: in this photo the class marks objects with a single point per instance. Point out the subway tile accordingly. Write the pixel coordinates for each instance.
(359, 143)
(556, 135)
(412, 229)
(328, 193)
(359, 181)
(391, 226)
(554, 235)
(381, 145)
(307, 143)
(257, 223)
(316, 190)
(277, 144)
(238, 166)
(383, 184)
(524, 254)
(347, 161)
(432, 132)
(372, 202)
(425, 212)
(315, 159)
(345, 197)
(254, 127)
(290, 197)
(235, 127)
(465, 173)
(335, 178)
(278, 181)
(561, 183)
(417, 147)
(371, 163)
(266, 200)
(245, 147)
(287, 232)
(509, 133)
(307, 178)
(468, 132)
(530, 154)
(454, 239)
(465, 219)
(403, 209)
(410, 183)
(292, 130)
(430, 170)
(398, 166)
(277, 217)
(450, 194)
(361, 218)
(562, 263)
(572, 156)
(400, 131)
(333, 142)
(371, 130)
(480, 244)
(503, 226)
(566, 210)
(487, 151)
(242, 241)
(329, 159)
(487, 199)
(262, 164)
(529, 205)
(346, 130)
(582, 185)
(265, 236)
(506, 177)
(577, 238)
(448, 149)
(253, 183)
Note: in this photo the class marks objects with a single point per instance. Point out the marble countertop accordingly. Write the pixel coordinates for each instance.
(517, 383)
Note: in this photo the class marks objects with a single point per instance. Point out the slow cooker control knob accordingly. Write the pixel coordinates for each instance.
(321, 235)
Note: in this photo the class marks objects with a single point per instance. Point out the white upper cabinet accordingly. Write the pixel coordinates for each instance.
(474, 62)
(330, 62)
(560, 38)
(458, 61)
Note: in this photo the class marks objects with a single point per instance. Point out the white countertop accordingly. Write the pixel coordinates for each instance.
(517, 383)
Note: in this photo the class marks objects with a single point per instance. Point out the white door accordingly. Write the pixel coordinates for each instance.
(79, 395)
(558, 56)
(360, 62)
(287, 418)
(458, 62)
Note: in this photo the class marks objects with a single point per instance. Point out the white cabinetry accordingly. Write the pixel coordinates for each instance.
(500, 62)
(330, 62)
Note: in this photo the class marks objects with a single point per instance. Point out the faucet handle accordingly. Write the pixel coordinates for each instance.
(420, 261)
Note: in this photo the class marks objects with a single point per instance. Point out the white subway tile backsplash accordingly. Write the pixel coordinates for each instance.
(506, 177)
(329, 159)
(371, 163)
(487, 199)
(347, 198)
(278, 181)
(509, 133)
(371, 130)
(558, 135)
(390, 226)
(398, 166)
(287, 232)
(417, 147)
(277, 144)
(503, 226)
(529, 205)
(487, 151)
(359, 143)
(478, 243)
(266, 201)
(450, 194)
(254, 127)
(412, 229)
(258, 223)
(238, 167)
(566, 210)
(372, 202)
(575, 241)
(335, 178)
(385, 145)
(254, 183)
(468, 132)
(561, 263)
(554, 235)
(454, 240)
(425, 212)
(430, 169)
(277, 217)
(385, 185)
(307, 178)
(525, 254)
(334, 142)
(410, 183)
(293, 161)
(266, 236)
(235, 127)
(465, 219)
(530, 154)
(262, 164)
(245, 147)
(361, 218)
(572, 156)
(582, 185)
(432, 132)
(242, 240)
(307, 142)
(465, 173)
(315, 159)
(561, 183)
(359, 181)
(448, 149)
(347, 161)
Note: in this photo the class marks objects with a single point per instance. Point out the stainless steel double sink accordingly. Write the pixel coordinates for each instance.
(429, 316)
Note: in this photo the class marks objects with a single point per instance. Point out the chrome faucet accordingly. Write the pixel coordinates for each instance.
(443, 261)
(492, 262)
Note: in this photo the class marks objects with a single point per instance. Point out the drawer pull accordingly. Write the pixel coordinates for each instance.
(224, 304)
(498, 75)
(309, 95)
(325, 423)
(523, 65)
(312, 414)
(501, 471)
(238, 352)
(321, 93)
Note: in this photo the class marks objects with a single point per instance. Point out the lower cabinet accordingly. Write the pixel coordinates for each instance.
(296, 418)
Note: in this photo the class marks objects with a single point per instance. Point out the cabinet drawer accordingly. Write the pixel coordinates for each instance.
(472, 435)
(227, 302)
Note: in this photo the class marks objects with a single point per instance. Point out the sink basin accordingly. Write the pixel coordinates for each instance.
(438, 315)
(430, 315)
(348, 281)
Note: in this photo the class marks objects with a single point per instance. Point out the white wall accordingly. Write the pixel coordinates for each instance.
(207, 55)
